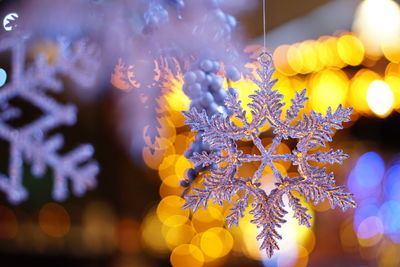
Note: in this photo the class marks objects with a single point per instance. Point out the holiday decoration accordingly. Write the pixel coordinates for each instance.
(166, 55)
(30, 142)
(221, 182)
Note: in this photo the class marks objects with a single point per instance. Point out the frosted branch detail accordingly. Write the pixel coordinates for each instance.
(30, 143)
(221, 182)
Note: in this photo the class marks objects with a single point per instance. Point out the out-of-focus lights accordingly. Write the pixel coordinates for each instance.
(167, 166)
(187, 255)
(392, 183)
(3, 77)
(154, 154)
(348, 237)
(175, 236)
(171, 186)
(331, 55)
(350, 50)
(328, 89)
(128, 236)
(294, 237)
(176, 99)
(204, 219)
(366, 175)
(9, 21)
(298, 258)
(390, 216)
(391, 49)
(295, 58)
(99, 225)
(369, 228)
(377, 22)
(152, 237)
(309, 55)
(182, 165)
(364, 211)
(358, 89)
(370, 169)
(393, 80)
(392, 69)
(380, 98)
(389, 255)
(170, 211)
(216, 242)
(54, 220)
(8, 223)
(281, 61)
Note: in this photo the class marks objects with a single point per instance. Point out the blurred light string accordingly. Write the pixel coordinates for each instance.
(265, 25)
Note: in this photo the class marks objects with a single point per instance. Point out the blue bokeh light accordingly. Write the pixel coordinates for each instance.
(364, 211)
(3, 77)
(365, 178)
(392, 183)
(389, 213)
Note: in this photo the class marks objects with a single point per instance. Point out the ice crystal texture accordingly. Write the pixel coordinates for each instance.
(30, 142)
(221, 182)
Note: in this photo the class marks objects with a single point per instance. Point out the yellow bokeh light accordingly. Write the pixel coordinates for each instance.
(245, 88)
(350, 50)
(380, 98)
(294, 235)
(309, 56)
(187, 255)
(182, 143)
(176, 100)
(281, 61)
(377, 22)
(391, 49)
(171, 186)
(365, 227)
(392, 69)
(216, 242)
(394, 82)
(154, 154)
(358, 89)
(295, 60)
(348, 237)
(167, 166)
(151, 234)
(327, 52)
(204, 219)
(181, 166)
(389, 255)
(177, 235)
(328, 89)
(170, 211)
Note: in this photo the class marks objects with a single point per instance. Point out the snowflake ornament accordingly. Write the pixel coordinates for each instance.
(30, 143)
(222, 183)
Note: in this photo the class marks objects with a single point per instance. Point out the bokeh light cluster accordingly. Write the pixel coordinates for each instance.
(338, 70)
(376, 222)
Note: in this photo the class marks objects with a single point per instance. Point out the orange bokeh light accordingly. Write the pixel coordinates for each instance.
(54, 220)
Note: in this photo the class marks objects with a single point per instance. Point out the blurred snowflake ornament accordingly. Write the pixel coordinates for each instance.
(29, 142)
(222, 182)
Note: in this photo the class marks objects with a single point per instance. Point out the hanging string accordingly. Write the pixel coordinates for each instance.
(265, 25)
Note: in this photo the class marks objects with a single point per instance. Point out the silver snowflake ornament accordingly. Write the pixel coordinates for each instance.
(222, 182)
(30, 142)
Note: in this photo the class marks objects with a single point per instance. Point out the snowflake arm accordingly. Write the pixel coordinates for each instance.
(222, 184)
(30, 141)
